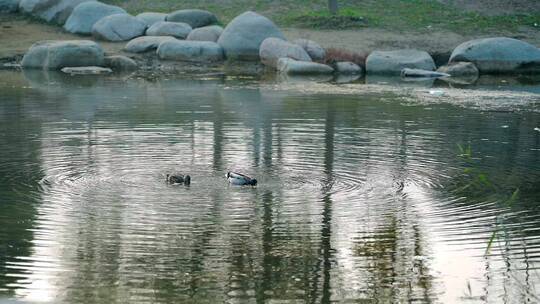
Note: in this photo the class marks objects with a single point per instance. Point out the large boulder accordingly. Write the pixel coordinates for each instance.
(146, 43)
(164, 28)
(120, 63)
(274, 48)
(86, 14)
(348, 68)
(197, 51)
(459, 69)
(243, 36)
(392, 62)
(56, 11)
(314, 50)
(194, 17)
(206, 33)
(9, 6)
(55, 55)
(498, 55)
(119, 27)
(294, 67)
(150, 17)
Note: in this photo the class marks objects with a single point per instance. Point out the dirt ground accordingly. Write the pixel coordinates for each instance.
(18, 33)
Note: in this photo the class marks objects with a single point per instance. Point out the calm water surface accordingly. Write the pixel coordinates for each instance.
(361, 198)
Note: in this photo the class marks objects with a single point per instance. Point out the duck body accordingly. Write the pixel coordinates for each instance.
(240, 179)
(177, 178)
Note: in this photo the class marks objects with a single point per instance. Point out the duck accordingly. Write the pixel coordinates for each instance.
(177, 178)
(235, 178)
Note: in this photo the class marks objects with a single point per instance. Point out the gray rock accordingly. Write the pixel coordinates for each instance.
(392, 62)
(417, 73)
(119, 27)
(459, 69)
(498, 55)
(55, 55)
(56, 11)
(120, 63)
(9, 6)
(150, 17)
(145, 43)
(86, 14)
(293, 67)
(165, 28)
(272, 49)
(198, 51)
(348, 68)
(243, 36)
(206, 33)
(87, 70)
(314, 50)
(194, 17)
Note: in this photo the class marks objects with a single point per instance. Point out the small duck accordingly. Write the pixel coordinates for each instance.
(178, 179)
(240, 179)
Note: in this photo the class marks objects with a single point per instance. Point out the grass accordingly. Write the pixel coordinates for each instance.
(389, 14)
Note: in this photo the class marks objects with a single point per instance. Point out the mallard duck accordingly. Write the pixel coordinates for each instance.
(178, 179)
(240, 179)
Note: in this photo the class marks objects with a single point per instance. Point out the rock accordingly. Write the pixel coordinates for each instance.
(206, 33)
(294, 67)
(88, 70)
(59, 54)
(181, 50)
(194, 17)
(392, 62)
(272, 49)
(314, 50)
(120, 63)
(459, 69)
(55, 11)
(9, 6)
(145, 43)
(86, 14)
(348, 68)
(498, 55)
(150, 18)
(165, 28)
(118, 27)
(417, 73)
(243, 36)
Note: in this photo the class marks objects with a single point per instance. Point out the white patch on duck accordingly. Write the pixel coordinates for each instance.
(235, 178)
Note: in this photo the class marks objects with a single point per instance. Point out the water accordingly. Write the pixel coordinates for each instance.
(362, 197)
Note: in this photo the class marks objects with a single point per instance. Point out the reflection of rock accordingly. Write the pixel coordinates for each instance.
(89, 70)
(294, 67)
(499, 55)
(304, 78)
(198, 51)
(120, 63)
(206, 33)
(145, 43)
(346, 67)
(272, 49)
(243, 36)
(462, 80)
(314, 50)
(194, 17)
(346, 78)
(55, 82)
(150, 17)
(392, 62)
(417, 73)
(398, 81)
(86, 14)
(460, 69)
(118, 27)
(56, 11)
(164, 28)
(60, 54)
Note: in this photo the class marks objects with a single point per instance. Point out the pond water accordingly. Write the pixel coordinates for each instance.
(364, 196)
